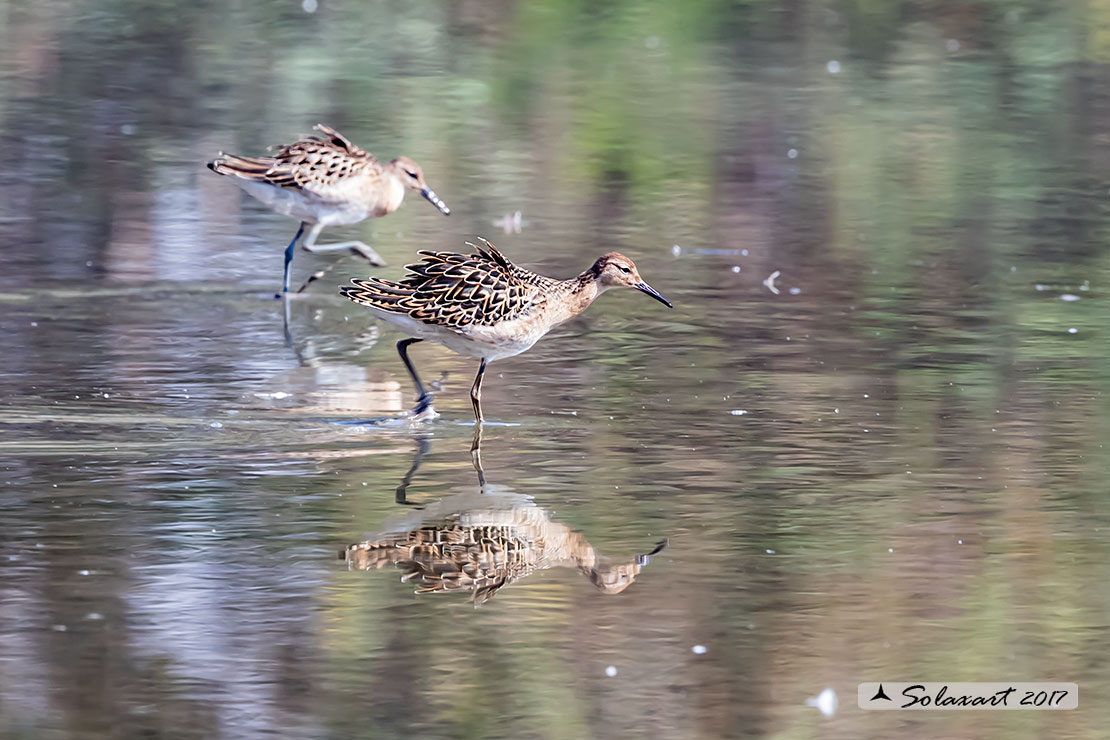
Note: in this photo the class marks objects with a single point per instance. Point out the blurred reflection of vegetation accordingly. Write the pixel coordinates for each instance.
(960, 156)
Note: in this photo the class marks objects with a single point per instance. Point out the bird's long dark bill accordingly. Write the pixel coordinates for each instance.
(435, 201)
(654, 294)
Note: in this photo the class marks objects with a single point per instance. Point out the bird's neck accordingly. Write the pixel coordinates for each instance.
(394, 191)
(580, 292)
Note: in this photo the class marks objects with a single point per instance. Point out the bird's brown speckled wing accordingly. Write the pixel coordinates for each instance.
(456, 290)
(481, 560)
(317, 164)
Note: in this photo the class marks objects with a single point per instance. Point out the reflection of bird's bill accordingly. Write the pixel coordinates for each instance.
(436, 201)
(643, 560)
(653, 293)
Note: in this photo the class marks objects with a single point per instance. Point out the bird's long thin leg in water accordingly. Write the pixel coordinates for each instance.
(423, 400)
(476, 392)
(289, 260)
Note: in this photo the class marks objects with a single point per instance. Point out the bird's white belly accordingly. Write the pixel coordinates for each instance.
(479, 342)
(504, 340)
(302, 206)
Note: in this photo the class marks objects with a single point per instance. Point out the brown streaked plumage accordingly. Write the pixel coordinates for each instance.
(482, 305)
(325, 181)
(481, 543)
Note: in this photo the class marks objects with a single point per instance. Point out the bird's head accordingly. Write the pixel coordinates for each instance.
(412, 177)
(614, 269)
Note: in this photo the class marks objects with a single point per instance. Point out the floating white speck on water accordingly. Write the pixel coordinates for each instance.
(795, 291)
(1073, 330)
(825, 702)
(94, 616)
(698, 650)
(770, 552)
(1069, 297)
(959, 542)
(676, 250)
(792, 153)
(127, 129)
(769, 282)
(890, 549)
(836, 411)
(953, 45)
(84, 572)
(216, 425)
(833, 67)
(611, 671)
(743, 253)
(736, 268)
(1038, 286)
(738, 412)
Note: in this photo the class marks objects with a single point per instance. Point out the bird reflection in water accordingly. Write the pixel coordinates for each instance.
(481, 541)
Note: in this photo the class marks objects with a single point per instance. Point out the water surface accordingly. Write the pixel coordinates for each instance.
(891, 469)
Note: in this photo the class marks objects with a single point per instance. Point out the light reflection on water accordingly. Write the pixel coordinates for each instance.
(914, 487)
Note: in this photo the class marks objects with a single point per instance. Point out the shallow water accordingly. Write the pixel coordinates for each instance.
(891, 469)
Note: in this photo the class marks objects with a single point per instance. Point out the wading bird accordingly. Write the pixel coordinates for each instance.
(481, 305)
(327, 181)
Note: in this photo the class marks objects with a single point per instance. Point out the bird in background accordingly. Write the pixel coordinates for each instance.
(327, 181)
(482, 305)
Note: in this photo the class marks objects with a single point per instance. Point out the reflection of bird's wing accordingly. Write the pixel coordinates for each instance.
(329, 167)
(481, 560)
(456, 290)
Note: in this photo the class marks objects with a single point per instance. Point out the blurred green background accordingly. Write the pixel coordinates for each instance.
(893, 469)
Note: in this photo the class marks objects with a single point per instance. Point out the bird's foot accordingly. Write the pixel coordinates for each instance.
(358, 248)
(423, 410)
(368, 253)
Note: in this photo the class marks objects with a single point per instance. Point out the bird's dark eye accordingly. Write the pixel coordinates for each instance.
(411, 174)
(624, 269)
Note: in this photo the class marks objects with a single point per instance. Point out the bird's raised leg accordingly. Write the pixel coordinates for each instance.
(476, 393)
(289, 261)
(424, 399)
(360, 249)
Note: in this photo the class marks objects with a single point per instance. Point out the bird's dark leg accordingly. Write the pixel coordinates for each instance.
(289, 260)
(476, 392)
(424, 399)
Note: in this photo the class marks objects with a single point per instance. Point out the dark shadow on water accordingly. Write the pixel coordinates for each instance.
(483, 540)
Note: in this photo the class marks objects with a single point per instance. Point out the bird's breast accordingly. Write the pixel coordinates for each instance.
(388, 196)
